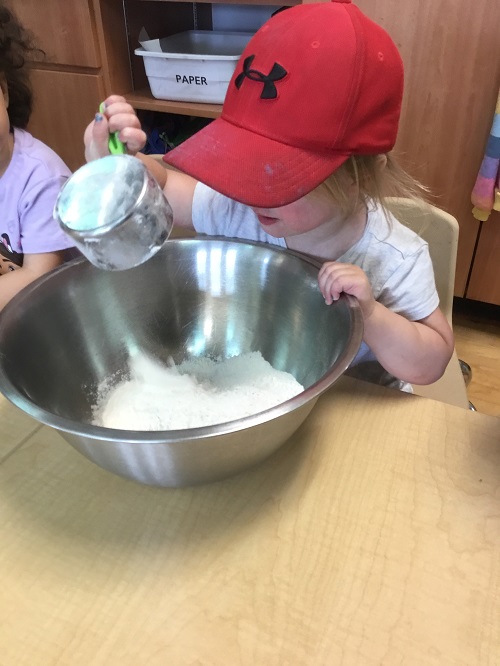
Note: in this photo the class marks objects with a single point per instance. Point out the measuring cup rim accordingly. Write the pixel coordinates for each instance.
(102, 229)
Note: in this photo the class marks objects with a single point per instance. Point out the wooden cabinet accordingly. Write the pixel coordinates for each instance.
(484, 284)
(60, 117)
(64, 30)
(86, 58)
(450, 51)
(452, 72)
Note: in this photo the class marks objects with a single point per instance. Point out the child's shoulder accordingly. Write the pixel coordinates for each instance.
(387, 230)
(36, 156)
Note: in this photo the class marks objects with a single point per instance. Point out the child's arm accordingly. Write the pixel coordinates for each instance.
(119, 116)
(34, 265)
(414, 351)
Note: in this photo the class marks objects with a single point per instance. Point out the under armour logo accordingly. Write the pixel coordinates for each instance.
(269, 90)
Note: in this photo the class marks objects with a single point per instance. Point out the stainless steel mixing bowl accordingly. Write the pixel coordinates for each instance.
(73, 328)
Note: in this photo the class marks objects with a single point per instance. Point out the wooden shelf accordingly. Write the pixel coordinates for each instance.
(142, 99)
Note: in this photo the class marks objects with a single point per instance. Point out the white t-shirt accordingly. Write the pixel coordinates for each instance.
(394, 258)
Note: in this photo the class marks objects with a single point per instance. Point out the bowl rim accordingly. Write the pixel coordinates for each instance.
(114, 435)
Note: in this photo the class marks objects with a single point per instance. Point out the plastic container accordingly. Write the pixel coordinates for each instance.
(193, 66)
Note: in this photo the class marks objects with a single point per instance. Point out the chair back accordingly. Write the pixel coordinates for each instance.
(440, 230)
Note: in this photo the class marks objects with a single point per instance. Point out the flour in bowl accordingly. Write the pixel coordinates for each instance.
(196, 393)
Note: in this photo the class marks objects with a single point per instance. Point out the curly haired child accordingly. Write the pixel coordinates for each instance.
(31, 174)
(300, 158)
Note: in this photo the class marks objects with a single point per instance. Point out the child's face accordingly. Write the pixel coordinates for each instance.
(299, 217)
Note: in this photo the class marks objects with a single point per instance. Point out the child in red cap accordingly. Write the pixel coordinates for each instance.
(299, 158)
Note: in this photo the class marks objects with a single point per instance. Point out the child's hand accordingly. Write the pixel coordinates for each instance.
(119, 116)
(335, 278)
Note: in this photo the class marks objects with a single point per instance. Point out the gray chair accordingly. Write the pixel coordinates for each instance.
(440, 230)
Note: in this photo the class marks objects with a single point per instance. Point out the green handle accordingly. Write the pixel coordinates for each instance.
(116, 147)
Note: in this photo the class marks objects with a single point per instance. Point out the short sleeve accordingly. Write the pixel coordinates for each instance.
(411, 289)
(216, 215)
(40, 231)
(211, 212)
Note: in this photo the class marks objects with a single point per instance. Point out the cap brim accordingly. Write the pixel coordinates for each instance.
(251, 168)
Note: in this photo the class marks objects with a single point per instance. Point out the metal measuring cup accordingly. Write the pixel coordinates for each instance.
(115, 211)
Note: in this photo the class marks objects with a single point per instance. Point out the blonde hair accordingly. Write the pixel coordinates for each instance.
(365, 177)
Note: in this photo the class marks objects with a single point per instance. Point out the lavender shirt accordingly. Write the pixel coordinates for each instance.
(28, 190)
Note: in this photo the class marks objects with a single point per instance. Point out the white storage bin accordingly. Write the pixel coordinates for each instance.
(192, 66)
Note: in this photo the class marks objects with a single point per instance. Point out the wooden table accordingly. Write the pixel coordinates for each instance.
(371, 537)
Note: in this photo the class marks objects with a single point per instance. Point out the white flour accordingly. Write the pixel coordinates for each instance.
(196, 393)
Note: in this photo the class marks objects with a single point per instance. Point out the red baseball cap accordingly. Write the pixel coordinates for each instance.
(316, 83)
